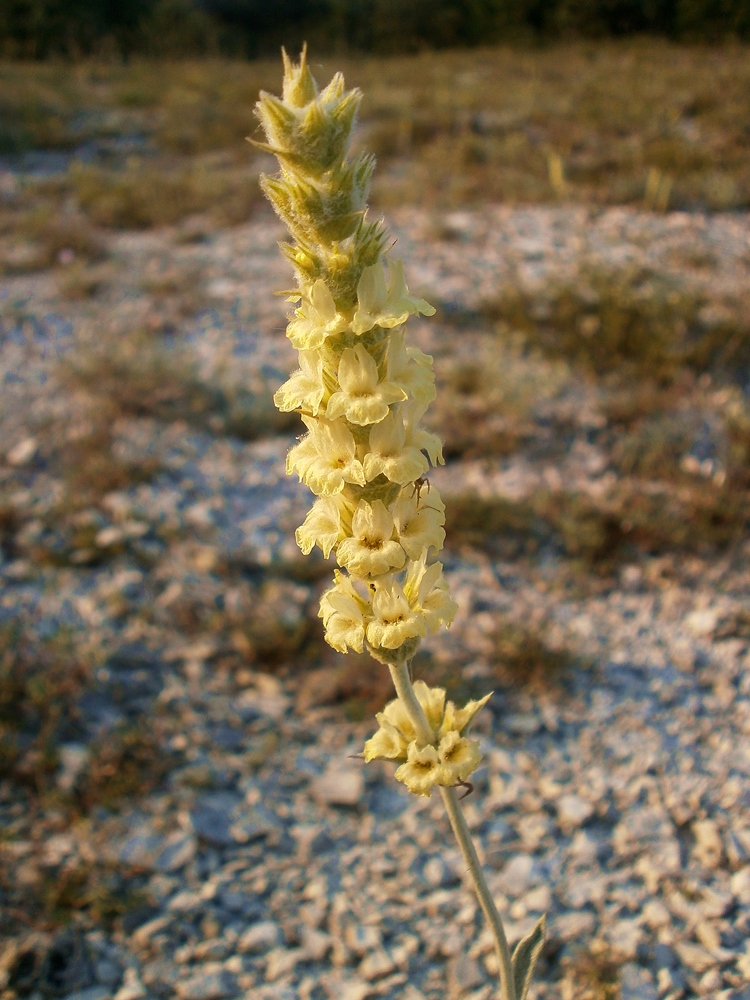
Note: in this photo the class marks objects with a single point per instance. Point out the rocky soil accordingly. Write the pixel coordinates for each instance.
(263, 860)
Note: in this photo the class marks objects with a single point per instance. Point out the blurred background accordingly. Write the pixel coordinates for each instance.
(252, 28)
(568, 182)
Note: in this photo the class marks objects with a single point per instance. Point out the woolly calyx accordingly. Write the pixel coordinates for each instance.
(451, 757)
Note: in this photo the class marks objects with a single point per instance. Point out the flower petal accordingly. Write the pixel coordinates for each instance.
(386, 744)
(422, 770)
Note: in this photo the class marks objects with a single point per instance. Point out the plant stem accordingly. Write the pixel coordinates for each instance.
(466, 844)
(402, 682)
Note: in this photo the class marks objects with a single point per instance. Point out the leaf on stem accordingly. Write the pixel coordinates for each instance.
(525, 957)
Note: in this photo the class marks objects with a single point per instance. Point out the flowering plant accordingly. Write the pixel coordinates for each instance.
(361, 392)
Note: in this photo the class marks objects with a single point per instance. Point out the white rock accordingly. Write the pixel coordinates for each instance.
(339, 987)
(743, 964)
(145, 932)
(573, 927)
(437, 873)
(361, 939)
(132, 988)
(271, 703)
(316, 943)
(282, 961)
(695, 956)
(260, 937)
(377, 964)
(586, 889)
(207, 986)
(670, 981)
(702, 623)
(710, 981)
(709, 847)
(185, 901)
(73, 758)
(517, 876)
(625, 936)
(112, 535)
(573, 811)
(538, 900)
(655, 914)
(740, 886)
(636, 983)
(23, 452)
(339, 786)
(583, 848)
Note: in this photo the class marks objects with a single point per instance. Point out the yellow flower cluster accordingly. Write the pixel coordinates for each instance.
(360, 390)
(448, 760)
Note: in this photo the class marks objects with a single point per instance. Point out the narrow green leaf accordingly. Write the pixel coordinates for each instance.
(525, 957)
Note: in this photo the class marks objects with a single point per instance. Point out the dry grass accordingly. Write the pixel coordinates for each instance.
(586, 122)
(41, 238)
(601, 532)
(670, 419)
(524, 655)
(123, 764)
(40, 683)
(591, 974)
(142, 195)
(490, 394)
(643, 123)
(627, 322)
(137, 373)
(63, 895)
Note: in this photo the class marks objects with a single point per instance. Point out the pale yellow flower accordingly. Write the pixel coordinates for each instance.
(387, 743)
(394, 621)
(362, 399)
(411, 369)
(419, 520)
(371, 550)
(447, 761)
(422, 770)
(305, 387)
(390, 455)
(416, 436)
(316, 319)
(378, 305)
(460, 719)
(426, 590)
(432, 701)
(323, 525)
(458, 757)
(344, 612)
(325, 459)
(395, 714)
(451, 763)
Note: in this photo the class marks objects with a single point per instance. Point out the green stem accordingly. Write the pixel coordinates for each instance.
(405, 692)
(466, 844)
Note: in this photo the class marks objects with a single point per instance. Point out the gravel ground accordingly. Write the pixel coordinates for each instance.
(271, 864)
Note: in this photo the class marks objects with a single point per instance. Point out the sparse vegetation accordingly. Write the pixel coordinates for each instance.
(619, 397)
(591, 974)
(491, 393)
(141, 195)
(605, 530)
(40, 684)
(626, 322)
(449, 129)
(127, 762)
